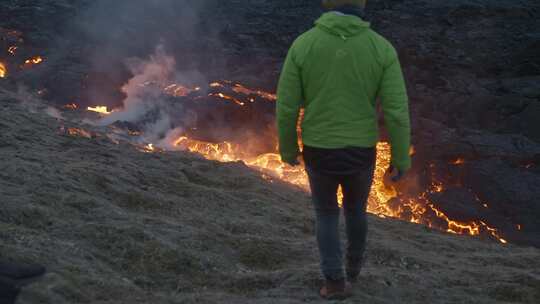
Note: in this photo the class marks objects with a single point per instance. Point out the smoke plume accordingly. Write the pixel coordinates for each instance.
(123, 29)
(141, 47)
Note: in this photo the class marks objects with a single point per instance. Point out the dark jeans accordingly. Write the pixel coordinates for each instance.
(356, 184)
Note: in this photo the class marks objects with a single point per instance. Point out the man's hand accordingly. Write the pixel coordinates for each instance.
(394, 174)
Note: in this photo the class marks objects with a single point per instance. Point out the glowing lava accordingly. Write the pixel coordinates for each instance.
(416, 210)
(459, 161)
(227, 97)
(76, 132)
(34, 60)
(149, 148)
(71, 106)
(238, 88)
(99, 109)
(3, 70)
(178, 90)
(12, 50)
(385, 199)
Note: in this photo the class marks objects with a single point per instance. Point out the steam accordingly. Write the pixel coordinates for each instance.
(31, 102)
(144, 89)
(167, 143)
(53, 112)
(123, 29)
(160, 117)
(126, 33)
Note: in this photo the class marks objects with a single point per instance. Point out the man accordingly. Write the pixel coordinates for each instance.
(337, 71)
(14, 276)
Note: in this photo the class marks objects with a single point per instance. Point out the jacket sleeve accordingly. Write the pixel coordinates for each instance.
(289, 100)
(395, 105)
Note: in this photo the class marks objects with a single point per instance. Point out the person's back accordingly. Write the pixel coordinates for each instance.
(337, 71)
(343, 66)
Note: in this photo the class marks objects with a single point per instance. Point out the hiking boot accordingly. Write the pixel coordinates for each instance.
(335, 290)
(17, 275)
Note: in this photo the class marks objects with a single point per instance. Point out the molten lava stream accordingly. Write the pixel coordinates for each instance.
(99, 109)
(384, 200)
(3, 70)
(33, 60)
(382, 197)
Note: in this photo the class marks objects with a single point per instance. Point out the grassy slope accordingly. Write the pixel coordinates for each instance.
(115, 225)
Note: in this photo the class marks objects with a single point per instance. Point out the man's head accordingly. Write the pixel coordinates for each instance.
(332, 4)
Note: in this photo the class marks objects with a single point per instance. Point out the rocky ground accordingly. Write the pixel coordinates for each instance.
(115, 224)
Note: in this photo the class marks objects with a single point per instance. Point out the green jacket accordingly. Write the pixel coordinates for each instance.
(337, 71)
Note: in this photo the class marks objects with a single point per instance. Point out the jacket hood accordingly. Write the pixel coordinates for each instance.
(342, 25)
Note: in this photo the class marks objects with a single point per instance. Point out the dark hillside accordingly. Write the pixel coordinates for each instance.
(115, 224)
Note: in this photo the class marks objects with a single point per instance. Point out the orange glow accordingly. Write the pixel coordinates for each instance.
(148, 148)
(420, 210)
(412, 150)
(12, 50)
(459, 161)
(385, 200)
(238, 88)
(79, 133)
(493, 232)
(177, 90)
(71, 106)
(99, 109)
(34, 60)
(226, 97)
(437, 187)
(3, 70)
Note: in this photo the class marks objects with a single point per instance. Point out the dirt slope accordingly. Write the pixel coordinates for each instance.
(117, 225)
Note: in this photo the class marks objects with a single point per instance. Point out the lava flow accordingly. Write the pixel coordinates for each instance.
(12, 49)
(99, 109)
(3, 70)
(384, 201)
(33, 60)
(417, 210)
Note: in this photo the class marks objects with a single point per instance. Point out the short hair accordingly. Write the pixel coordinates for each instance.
(331, 4)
